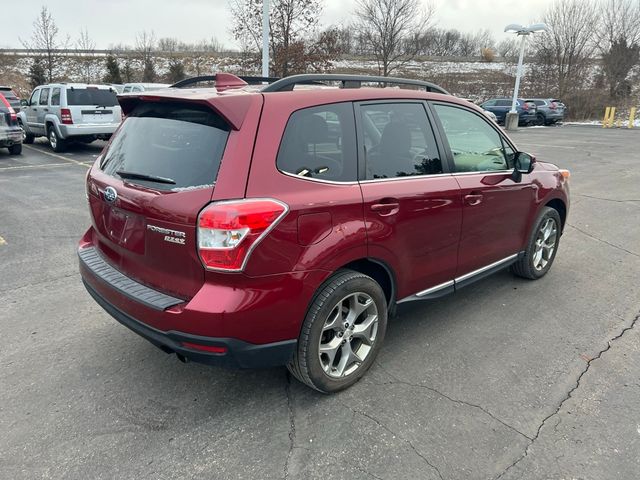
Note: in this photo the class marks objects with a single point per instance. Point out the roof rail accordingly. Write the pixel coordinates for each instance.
(225, 80)
(347, 81)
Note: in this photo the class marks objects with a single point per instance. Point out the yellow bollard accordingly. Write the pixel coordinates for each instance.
(612, 117)
(632, 116)
(605, 120)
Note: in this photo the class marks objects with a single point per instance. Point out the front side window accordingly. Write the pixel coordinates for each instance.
(34, 97)
(55, 96)
(398, 141)
(44, 96)
(476, 146)
(320, 143)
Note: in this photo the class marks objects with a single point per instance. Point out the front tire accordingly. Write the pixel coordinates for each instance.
(15, 149)
(342, 332)
(542, 247)
(27, 138)
(58, 145)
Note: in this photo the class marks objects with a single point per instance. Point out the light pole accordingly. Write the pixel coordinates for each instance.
(265, 38)
(511, 122)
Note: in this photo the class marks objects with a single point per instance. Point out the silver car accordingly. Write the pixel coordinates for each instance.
(65, 112)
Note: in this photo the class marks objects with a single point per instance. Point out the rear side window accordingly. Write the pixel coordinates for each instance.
(91, 96)
(398, 141)
(320, 142)
(55, 96)
(178, 146)
(503, 103)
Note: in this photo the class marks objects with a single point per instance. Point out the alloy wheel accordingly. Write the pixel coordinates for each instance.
(53, 139)
(545, 244)
(348, 335)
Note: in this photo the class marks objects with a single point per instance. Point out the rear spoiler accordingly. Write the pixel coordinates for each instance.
(233, 108)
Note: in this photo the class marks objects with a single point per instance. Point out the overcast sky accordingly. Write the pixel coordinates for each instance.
(117, 21)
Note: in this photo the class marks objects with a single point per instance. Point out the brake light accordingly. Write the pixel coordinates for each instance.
(229, 231)
(525, 106)
(553, 105)
(65, 115)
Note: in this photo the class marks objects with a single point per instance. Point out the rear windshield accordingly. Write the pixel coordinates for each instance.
(91, 96)
(181, 145)
(8, 94)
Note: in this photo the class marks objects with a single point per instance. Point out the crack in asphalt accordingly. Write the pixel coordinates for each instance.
(451, 399)
(607, 199)
(292, 425)
(568, 396)
(407, 441)
(604, 241)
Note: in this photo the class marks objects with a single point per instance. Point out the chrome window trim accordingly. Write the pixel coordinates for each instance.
(484, 172)
(319, 180)
(408, 177)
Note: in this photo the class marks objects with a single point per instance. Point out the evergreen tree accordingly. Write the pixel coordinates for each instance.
(149, 73)
(37, 73)
(176, 71)
(113, 71)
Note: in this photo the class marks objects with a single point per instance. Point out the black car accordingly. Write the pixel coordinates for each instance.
(10, 131)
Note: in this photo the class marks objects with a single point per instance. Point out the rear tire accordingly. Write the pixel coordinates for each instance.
(542, 247)
(58, 145)
(15, 149)
(540, 120)
(342, 332)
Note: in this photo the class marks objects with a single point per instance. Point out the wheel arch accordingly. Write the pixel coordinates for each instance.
(558, 205)
(381, 273)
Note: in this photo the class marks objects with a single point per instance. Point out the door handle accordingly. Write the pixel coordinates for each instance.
(385, 209)
(46, 109)
(473, 199)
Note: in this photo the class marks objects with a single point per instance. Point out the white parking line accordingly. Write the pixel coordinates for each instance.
(56, 156)
(2, 241)
(46, 165)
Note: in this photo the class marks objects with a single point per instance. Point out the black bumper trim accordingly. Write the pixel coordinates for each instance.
(123, 284)
(239, 354)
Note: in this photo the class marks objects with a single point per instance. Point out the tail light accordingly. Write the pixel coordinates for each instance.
(12, 112)
(553, 105)
(65, 115)
(229, 231)
(525, 106)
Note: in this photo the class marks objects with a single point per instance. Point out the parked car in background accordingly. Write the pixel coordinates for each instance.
(143, 87)
(10, 131)
(549, 110)
(116, 86)
(526, 109)
(11, 97)
(65, 112)
(488, 113)
(266, 225)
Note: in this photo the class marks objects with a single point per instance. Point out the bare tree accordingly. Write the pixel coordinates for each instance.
(85, 49)
(388, 27)
(564, 53)
(619, 42)
(294, 26)
(145, 46)
(46, 41)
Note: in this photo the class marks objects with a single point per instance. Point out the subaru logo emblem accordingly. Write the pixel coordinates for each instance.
(110, 194)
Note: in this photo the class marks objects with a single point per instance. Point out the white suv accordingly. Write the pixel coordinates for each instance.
(65, 112)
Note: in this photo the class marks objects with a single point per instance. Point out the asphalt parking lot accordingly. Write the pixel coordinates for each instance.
(507, 379)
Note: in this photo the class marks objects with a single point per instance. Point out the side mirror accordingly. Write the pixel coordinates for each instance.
(523, 163)
(24, 103)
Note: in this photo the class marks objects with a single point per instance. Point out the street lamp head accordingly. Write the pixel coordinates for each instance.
(522, 30)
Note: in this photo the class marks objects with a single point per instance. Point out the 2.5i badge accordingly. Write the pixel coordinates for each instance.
(172, 236)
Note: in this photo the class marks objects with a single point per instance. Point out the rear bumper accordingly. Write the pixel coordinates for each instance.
(81, 129)
(10, 136)
(236, 352)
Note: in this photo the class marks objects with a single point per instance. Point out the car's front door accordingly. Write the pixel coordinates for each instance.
(496, 207)
(412, 204)
(43, 107)
(32, 111)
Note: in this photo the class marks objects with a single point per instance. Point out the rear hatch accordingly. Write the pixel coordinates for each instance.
(148, 188)
(93, 105)
(12, 98)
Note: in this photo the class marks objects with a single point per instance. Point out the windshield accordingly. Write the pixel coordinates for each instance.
(170, 141)
(91, 96)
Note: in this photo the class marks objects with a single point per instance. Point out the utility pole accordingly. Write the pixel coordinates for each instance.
(265, 38)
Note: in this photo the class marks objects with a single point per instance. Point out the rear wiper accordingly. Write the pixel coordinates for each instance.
(142, 176)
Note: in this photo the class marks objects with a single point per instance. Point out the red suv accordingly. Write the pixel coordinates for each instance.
(267, 225)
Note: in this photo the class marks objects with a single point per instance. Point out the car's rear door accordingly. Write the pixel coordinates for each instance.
(412, 204)
(92, 105)
(496, 207)
(146, 227)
